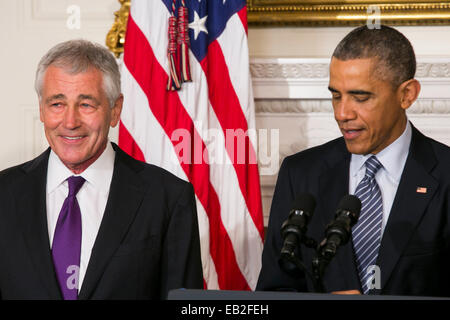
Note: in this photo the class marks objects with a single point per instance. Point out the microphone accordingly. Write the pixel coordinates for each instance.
(293, 230)
(339, 231)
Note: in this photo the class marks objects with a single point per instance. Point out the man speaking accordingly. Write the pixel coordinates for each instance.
(401, 177)
(84, 220)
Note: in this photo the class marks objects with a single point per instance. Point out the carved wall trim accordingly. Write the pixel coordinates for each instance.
(428, 106)
(289, 68)
(298, 68)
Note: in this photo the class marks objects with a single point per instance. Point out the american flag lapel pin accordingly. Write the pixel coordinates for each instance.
(421, 190)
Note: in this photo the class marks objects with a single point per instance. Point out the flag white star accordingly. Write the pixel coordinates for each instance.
(198, 25)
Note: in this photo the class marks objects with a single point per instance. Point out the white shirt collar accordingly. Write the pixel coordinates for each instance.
(99, 173)
(393, 157)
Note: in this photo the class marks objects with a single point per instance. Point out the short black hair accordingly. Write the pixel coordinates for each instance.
(396, 58)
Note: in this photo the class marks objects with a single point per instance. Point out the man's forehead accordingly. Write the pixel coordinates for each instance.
(62, 96)
(354, 72)
(359, 64)
(59, 81)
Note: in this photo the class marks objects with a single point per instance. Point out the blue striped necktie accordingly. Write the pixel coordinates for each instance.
(367, 231)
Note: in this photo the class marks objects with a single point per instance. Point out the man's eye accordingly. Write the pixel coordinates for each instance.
(86, 105)
(335, 97)
(361, 98)
(56, 104)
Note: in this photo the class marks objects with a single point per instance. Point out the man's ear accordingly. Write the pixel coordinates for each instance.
(408, 91)
(116, 111)
(41, 114)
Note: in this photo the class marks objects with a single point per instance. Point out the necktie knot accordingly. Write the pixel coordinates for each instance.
(75, 184)
(372, 167)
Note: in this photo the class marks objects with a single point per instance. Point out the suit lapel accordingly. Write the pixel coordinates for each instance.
(31, 207)
(125, 196)
(409, 205)
(334, 184)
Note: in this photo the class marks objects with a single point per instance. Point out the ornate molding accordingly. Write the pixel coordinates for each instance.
(318, 69)
(298, 106)
(437, 106)
(350, 12)
(433, 70)
(274, 70)
(115, 39)
(292, 106)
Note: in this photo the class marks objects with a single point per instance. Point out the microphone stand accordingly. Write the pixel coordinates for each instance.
(323, 256)
(318, 268)
(318, 265)
(321, 261)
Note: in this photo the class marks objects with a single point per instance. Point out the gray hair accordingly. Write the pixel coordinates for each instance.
(396, 58)
(77, 56)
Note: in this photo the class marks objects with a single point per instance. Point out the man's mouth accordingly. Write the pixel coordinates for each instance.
(72, 139)
(350, 134)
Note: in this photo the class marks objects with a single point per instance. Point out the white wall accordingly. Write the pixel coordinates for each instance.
(290, 92)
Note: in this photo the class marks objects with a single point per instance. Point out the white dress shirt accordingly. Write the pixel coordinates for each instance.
(92, 198)
(393, 159)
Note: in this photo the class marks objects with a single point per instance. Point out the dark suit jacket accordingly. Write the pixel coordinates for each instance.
(147, 244)
(414, 256)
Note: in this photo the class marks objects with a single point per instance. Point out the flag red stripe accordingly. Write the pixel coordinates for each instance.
(127, 143)
(230, 116)
(143, 65)
(243, 16)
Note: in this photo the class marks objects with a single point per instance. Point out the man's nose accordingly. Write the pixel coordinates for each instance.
(71, 117)
(343, 110)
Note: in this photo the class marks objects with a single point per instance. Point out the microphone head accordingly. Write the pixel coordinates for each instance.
(293, 231)
(304, 202)
(351, 204)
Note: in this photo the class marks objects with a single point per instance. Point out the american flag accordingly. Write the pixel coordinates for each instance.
(217, 102)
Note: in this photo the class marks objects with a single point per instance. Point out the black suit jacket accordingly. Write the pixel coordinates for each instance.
(414, 256)
(147, 244)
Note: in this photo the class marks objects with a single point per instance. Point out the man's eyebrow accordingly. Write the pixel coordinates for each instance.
(333, 89)
(55, 97)
(357, 92)
(360, 92)
(88, 97)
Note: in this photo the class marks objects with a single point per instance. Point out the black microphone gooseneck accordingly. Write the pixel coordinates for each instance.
(293, 233)
(337, 233)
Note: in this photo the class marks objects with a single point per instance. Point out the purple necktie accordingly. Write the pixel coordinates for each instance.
(66, 246)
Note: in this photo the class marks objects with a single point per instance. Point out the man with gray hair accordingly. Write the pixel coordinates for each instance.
(84, 220)
(400, 245)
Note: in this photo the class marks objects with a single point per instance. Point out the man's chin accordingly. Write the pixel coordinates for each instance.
(73, 163)
(356, 148)
(71, 160)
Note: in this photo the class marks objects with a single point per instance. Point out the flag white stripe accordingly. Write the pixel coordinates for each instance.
(238, 64)
(151, 17)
